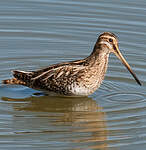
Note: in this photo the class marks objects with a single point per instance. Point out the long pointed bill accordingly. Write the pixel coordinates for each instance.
(119, 55)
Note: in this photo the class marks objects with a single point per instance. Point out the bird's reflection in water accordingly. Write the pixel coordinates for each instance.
(80, 117)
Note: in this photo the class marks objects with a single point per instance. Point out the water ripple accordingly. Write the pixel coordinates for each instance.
(36, 33)
(125, 97)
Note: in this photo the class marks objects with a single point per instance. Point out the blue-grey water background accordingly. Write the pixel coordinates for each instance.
(36, 33)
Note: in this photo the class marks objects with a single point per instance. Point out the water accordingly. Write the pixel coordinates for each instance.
(36, 33)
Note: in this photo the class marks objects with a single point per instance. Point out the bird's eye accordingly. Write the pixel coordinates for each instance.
(110, 40)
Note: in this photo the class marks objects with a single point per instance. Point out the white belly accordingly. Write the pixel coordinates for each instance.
(80, 90)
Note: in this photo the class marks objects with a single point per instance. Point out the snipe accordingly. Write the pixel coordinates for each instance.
(75, 78)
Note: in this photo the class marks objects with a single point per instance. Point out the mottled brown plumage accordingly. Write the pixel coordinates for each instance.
(75, 78)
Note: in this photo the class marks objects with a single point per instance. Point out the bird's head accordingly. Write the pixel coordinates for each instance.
(109, 43)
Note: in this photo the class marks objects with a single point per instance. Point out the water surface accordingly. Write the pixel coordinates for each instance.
(36, 33)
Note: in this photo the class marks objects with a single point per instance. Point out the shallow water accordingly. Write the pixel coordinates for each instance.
(36, 33)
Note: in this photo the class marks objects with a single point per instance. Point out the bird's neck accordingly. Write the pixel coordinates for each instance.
(97, 64)
(98, 56)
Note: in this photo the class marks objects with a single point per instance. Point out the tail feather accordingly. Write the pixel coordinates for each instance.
(20, 77)
(13, 81)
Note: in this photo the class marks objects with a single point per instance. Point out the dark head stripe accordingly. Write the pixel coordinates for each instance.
(108, 34)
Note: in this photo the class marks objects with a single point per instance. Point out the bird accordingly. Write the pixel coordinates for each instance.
(74, 78)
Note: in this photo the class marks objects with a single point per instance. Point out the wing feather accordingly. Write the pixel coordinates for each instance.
(59, 72)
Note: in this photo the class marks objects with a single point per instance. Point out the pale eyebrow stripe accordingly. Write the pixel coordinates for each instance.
(106, 36)
(106, 43)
